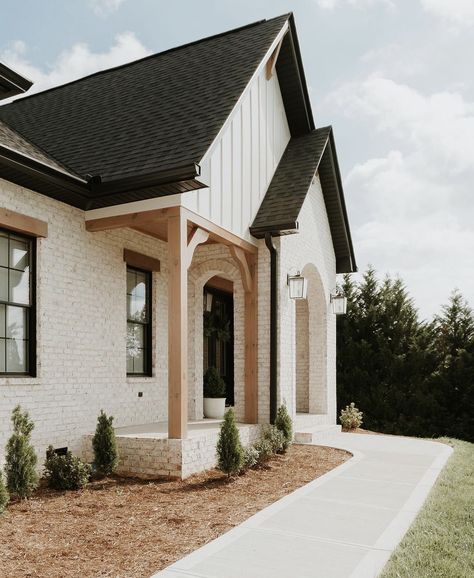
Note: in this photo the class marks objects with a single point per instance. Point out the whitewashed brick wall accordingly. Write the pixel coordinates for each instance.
(311, 252)
(81, 289)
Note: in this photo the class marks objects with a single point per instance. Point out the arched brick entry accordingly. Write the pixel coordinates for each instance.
(208, 263)
(311, 346)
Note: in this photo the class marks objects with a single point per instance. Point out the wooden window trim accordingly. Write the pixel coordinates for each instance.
(22, 224)
(140, 261)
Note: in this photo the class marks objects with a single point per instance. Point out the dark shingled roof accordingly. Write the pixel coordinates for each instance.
(281, 206)
(155, 114)
(14, 141)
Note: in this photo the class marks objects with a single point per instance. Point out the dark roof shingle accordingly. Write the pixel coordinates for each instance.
(154, 114)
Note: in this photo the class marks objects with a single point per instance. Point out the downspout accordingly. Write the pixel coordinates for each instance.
(273, 325)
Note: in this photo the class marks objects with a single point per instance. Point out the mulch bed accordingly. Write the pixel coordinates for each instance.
(130, 528)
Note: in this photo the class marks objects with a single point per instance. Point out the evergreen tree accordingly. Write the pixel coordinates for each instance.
(4, 496)
(284, 424)
(230, 454)
(21, 459)
(104, 445)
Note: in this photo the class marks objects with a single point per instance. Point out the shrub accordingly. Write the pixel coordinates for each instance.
(214, 385)
(351, 417)
(4, 496)
(230, 454)
(250, 458)
(21, 459)
(65, 472)
(264, 449)
(284, 424)
(274, 437)
(104, 445)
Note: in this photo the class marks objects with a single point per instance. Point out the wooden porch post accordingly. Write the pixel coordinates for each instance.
(177, 327)
(251, 384)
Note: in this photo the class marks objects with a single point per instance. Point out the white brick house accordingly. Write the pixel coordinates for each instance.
(125, 196)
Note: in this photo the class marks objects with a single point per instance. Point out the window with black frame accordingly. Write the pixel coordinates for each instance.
(138, 322)
(17, 347)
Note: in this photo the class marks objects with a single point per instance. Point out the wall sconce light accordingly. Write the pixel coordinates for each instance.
(207, 301)
(297, 286)
(339, 302)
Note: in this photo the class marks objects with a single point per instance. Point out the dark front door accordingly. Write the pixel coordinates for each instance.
(219, 337)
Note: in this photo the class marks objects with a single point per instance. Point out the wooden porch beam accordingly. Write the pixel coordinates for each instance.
(198, 236)
(241, 259)
(177, 327)
(217, 233)
(132, 220)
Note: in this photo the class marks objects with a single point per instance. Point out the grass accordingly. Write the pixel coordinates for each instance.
(440, 543)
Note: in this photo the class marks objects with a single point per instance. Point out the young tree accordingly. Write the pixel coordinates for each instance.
(230, 454)
(104, 445)
(20, 467)
(284, 424)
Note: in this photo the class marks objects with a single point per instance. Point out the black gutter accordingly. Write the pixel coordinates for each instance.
(92, 188)
(276, 230)
(273, 326)
(12, 83)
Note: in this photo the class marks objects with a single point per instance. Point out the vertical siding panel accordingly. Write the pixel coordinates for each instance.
(255, 149)
(270, 141)
(215, 201)
(237, 172)
(263, 136)
(226, 179)
(246, 162)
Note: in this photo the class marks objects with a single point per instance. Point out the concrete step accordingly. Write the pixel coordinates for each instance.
(308, 420)
(316, 434)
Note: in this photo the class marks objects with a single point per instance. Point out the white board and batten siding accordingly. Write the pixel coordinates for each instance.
(241, 162)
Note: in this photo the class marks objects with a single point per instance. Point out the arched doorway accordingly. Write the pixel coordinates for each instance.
(218, 331)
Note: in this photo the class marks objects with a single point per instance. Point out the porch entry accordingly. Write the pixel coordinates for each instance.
(218, 327)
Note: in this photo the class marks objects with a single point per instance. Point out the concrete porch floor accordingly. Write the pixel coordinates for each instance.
(159, 430)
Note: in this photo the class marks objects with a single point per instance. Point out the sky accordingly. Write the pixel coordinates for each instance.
(394, 78)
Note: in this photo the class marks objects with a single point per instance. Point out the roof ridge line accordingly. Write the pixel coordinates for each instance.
(150, 56)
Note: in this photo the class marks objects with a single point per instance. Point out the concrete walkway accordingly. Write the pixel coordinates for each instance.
(344, 524)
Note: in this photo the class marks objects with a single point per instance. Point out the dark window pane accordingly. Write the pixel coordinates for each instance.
(17, 327)
(3, 284)
(3, 251)
(19, 254)
(2, 355)
(138, 327)
(16, 356)
(19, 286)
(2, 320)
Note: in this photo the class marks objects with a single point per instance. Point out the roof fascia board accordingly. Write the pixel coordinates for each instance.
(341, 200)
(256, 73)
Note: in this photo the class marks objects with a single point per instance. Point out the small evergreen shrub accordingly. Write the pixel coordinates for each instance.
(230, 454)
(250, 458)
(104, 445)
(214, 385)
(264, 449)
(20, 467)
(284, 424)
(274, 437)
(65, 472)
(351, 417)
(4, 496)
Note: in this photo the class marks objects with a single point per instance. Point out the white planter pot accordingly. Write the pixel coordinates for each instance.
(214, 407)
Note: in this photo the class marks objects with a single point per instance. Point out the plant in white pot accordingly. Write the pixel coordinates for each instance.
(214, 394)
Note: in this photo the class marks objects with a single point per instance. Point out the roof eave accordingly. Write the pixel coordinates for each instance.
(12, 83)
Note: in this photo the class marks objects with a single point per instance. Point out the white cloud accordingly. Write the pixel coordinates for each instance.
(411, 209)
(103, 7)
(331, 4)
(74, 62)
(457, 12)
